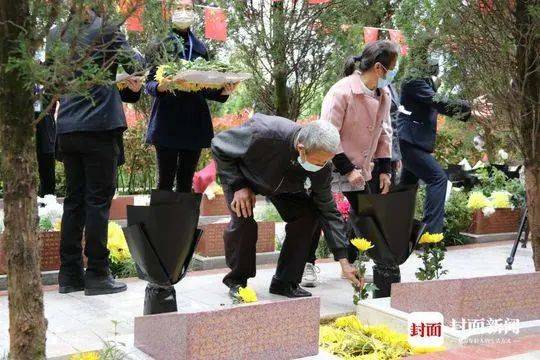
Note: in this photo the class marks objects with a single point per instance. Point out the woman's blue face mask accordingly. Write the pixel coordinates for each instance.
(387, 79)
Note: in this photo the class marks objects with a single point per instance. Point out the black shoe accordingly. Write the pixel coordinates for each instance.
(70, 281)
(233, 292)
(278, 287)
(66, 289)
(103, 285)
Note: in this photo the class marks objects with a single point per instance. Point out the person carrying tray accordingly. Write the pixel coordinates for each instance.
(180, 123)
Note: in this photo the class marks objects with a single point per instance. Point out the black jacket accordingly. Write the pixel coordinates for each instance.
(261, 155)
(102, 110)
(420, 128)
(180, 120)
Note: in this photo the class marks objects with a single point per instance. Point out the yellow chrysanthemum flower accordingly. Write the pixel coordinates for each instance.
(427, 349)
(428, 238)
(501, 200)
(121, 85)
(116, 242)
(330, 335)
(362, 244)
(350, 321)
(477, 200)
(160, 73)
(86, 356)
(247, 295)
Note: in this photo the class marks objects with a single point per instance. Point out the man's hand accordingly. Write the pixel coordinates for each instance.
(350, 273)
(243, 202)
(355, 178)
(134, 84)
(385, 182)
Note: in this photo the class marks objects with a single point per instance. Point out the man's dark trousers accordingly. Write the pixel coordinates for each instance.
(420, 164)
(90, 162)
(240, 237)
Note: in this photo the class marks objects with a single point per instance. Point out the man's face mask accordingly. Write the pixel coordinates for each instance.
(183, 18)
(308, 166)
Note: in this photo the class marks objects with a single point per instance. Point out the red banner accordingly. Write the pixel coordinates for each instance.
(397, 37)
(370, 34)
(215, 24)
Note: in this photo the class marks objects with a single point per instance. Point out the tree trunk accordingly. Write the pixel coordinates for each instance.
(532, 178)
(27, 325)
(281, 96)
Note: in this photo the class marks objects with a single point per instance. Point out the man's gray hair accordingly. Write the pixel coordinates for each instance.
(319, 136)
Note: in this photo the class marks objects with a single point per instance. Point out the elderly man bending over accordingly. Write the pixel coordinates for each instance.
(290, 164)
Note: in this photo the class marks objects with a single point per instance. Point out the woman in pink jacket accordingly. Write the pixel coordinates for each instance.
(359, 106)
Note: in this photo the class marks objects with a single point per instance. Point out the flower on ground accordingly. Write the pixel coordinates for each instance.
(86, 356)
(116, 242)
(247, 295)
(428, 238)
(477, 200)
(350, 321)
(362, 244)
(501, 200)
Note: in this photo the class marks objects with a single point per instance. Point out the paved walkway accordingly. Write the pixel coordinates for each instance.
(80, 323)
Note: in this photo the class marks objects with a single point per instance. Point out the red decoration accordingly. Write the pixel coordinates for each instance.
(370, 34)
(397, 37)
(134, 10)
(485, 6)
(215, 24)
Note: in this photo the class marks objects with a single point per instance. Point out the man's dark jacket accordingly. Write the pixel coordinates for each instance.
(102, 110)
(261, 155)
(180, 120)
(420, 127)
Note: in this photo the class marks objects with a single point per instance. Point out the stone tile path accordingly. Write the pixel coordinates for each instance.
(79, 323)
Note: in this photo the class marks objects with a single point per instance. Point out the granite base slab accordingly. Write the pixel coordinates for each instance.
(490, 297)
(277, 330)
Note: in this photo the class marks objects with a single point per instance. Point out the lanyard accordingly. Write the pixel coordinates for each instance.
(190, 48)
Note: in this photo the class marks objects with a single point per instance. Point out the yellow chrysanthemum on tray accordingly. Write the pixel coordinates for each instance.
(428, 238)
(362, 244)
(247, 295)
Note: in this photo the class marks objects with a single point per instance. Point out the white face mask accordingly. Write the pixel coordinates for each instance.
(183, 19)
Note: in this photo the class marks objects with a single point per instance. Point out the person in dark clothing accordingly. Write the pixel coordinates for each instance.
(417, 127)
(89, 129)
(45, 149)
(290, 164)
(180, 123)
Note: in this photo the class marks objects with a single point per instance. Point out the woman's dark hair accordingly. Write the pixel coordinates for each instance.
(382, 51)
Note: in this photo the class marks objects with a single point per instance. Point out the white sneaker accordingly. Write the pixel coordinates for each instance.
(310, 277)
